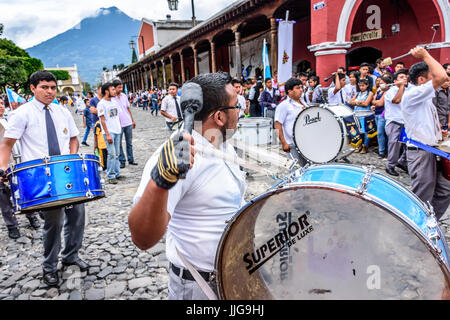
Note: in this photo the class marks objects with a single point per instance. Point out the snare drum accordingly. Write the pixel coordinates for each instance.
(54, 182)
(254, 130)
(320, 134)
(361, 115)
(334, 232)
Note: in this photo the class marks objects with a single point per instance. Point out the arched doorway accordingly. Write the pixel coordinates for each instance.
(363, 54)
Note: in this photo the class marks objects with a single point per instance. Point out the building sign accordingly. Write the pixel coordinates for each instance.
(367, 36)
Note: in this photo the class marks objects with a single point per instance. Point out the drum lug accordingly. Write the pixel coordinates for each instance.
(14, 180)
(89, 195)
(17, 195)
(47, 169)
(86, 181)
(102, 182)
(83, 166)
(362, 188)
(432, 225)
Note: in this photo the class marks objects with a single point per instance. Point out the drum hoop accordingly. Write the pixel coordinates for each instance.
(14, 170)
(59, 195)
(339, 188)
(340, 126)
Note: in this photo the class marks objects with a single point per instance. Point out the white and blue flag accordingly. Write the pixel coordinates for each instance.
(265, 59)
(14, 97)
(125, 89)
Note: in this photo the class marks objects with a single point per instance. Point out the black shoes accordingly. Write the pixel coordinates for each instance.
(34, 223)
(85, 144)
(122, 165)
(14, 233)
(51, 278)
(133, 163)
(404, 168)
(392, 172)
(83, 266)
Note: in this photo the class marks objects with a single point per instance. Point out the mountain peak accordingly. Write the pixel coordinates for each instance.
(109, 10)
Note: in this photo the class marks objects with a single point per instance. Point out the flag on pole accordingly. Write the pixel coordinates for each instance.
(285, 39)
(125, 89)
(265, 59)
(14, 97)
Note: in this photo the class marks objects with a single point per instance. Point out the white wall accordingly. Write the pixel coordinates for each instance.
(203, 62)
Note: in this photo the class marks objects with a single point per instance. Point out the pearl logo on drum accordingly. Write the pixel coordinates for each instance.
(309, 120)
(288, 236)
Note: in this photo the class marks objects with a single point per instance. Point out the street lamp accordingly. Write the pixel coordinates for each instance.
(173, 6)
(132, 44)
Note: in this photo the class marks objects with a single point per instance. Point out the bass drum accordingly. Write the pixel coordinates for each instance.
(320, 135)
(334, 232)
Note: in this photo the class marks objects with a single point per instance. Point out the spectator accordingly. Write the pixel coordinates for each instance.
(378, 71)
(171, 108)
(335, 93)
(364, 69)
(447, 67)
(399, 65)
(87, 122)
(269, 99)
(154, 101)
(351, 89)
(244, 110)
(362, 101)
(127, 124)
(255, 91)
(314, 94)
(378, 108)
(145, 101)
(442, 103)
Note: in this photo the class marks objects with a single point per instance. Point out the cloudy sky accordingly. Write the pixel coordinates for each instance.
(29, 22)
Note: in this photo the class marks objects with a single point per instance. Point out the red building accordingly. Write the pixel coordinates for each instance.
(327, 34)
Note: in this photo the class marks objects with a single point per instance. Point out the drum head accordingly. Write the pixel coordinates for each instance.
(317, 242)
(318, 135)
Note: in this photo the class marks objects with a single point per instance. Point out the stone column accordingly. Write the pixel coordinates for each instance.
(237, 37)
(195, 61)
(143, 78)
(183, 76)
(164, 73)
(146, 77)
(151, 78)
(132, 83)
(213, 56)
(274, 44)
(172, 71)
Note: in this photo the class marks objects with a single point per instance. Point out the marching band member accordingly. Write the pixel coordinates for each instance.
(46, 129)
(422, 125)
(193, 210)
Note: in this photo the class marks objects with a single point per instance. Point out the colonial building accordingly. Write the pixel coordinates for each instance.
(108, 75)
(327, 34)
(71, 86)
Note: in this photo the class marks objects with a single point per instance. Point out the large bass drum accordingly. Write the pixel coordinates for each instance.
(320, 134)
(334, 232)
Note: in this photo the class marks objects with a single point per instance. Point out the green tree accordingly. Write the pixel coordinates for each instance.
(12, 72)
(32, 65)
(134, 58)
(60, 74)
(1, 29)
(121, 66)
(86, 87)
(12, 49)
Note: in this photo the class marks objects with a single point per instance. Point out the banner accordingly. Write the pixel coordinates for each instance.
(370, 126)
(14, 97)
(353, 132)
(265, 59)
(285, 40)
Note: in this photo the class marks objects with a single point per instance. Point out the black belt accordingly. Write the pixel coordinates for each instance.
(413, 148)
(186, 275)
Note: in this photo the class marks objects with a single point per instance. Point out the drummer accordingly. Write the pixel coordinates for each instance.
(194, 210)
(285, 115)
(422, 125)
(45, 129)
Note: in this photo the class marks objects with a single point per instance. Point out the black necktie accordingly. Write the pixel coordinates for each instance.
(52, 138)
(180, 116)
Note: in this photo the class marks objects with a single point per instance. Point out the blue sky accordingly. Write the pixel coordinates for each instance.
(29, 22)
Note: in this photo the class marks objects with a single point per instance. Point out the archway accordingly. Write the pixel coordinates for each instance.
(363, 54)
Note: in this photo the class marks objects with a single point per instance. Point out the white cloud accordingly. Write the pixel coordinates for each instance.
(29, 22)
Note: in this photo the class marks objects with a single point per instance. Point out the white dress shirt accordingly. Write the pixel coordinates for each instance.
(242, 104)
(200, 205)
(420, 114)
(168, 105)
(29, 127)
(393, 111)
(286, 113)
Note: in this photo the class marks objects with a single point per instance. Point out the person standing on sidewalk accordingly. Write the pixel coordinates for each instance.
(127, 123)
(108, 111)
(87, 122)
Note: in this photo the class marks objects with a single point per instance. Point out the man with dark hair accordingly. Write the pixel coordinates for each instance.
(399, 65)
(422, 125)
(253, 97)
(442, 103)
(127, 123)
(45, 129)
(237, 85)
(269, 99)
(171, 108)
(364, 69)
(378, 71)
(108, 111)
(194, 211)
(285, 115)
(395, 123)
(447, 67)
(87, 122)
(335, 93)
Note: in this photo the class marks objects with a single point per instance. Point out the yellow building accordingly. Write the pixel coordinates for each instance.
(72, 86)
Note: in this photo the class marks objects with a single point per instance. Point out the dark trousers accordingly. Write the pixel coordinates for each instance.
(396, 150)
(7, 208)
(255, 110)
(154, 107)
(128, 132)
(72, 220)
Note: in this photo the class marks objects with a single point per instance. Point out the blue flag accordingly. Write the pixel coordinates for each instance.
(14, 97)
(265, 59)
(54, 101)
(125, 89)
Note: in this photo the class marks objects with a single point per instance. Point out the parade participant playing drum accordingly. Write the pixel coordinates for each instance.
(45, 129)
(193, 210)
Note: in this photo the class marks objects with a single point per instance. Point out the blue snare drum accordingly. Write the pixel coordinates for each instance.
(55, 182)
(334, 232)
(362, 115)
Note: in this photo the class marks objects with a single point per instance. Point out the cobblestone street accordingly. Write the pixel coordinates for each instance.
(118, 269)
